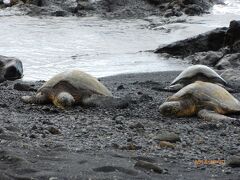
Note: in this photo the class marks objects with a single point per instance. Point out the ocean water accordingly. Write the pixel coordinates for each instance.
(100, 47)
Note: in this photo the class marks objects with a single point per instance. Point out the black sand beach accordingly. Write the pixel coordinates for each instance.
(42, 142)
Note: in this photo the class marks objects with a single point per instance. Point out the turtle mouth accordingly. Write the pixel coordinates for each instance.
(169, 108)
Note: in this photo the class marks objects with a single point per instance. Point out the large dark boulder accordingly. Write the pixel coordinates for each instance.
(209, 41)
(10, 68)
(232, 34)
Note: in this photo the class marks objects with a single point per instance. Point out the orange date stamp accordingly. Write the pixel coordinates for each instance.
(208, 162)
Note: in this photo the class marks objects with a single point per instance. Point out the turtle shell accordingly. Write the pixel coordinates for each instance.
(198, 72)
(79, 80)
(208, 96)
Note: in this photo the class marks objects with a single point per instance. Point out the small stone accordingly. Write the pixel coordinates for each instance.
(168, 136)
(145, 97)
(129, 139)
(54, 130)
(148, 166)
(33, 136)
(165, 144)
(12, 128)
(84, 130)
(131, 147)
(119, 119)
(228, 171)
(34, 127)
(23, 87)
(120, 87)
(210, 126)
(1, 130)
(233, 161)
(119, 126)
(136, 126)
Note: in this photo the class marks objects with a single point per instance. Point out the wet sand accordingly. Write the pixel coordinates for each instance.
(42, 142)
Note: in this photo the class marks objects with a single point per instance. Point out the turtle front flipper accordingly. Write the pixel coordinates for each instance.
(106, 101)
(39, 98)
(174, 88)
(211, 115)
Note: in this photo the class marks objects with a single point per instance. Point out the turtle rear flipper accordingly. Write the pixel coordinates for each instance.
(211, 115)
(106, 101)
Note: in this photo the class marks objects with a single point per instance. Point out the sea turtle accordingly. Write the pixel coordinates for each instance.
(74, 87)
(207, 100)
(195, 73)
(10, 68)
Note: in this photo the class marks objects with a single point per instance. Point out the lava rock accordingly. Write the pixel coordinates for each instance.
(165, 144)
(168, 136)
(232, 76)
(10, 68)
(209, 41)
(233, 161)
(136, 126)
(23, 87)
(193, 10)
(131, 146)
(229, 61)
(120, 87)
(148, 166)
(54, 130)
(232, 34)
(209, 58)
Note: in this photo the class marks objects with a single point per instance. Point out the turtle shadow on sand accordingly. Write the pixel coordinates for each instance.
(76, 87)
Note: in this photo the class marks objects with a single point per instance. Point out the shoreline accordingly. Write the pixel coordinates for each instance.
(40, 141)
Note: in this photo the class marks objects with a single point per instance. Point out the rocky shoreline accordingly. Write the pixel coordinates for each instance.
(218, 48)
(43, 142)
(112, 8)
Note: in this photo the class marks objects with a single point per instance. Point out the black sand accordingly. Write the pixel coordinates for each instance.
(42, 142)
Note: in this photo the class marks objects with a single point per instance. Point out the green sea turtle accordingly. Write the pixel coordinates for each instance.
(195, 73)
(74, 87)
(206, 100)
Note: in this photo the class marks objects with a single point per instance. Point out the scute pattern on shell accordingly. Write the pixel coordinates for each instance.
(208, 92)
(196, 69)
(79, 80)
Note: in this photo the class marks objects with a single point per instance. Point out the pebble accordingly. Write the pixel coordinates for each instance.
(233, 161)
(168, 136)
(131, 147)
(120, 87)
(210, 126)
(33, 136)
(54, 130)
(1, 130)
(136, 126)
(119, 119)
(165, 144)
(148, 166)
(23, 87)
(145, 97)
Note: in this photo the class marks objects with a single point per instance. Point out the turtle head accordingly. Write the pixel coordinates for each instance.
(63, 100)
(171, 108)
